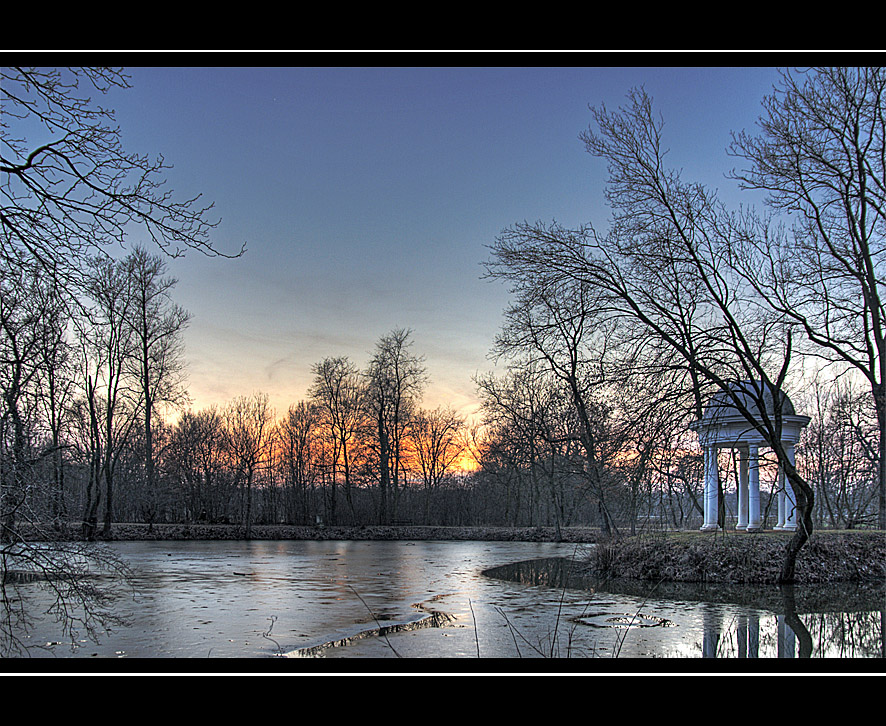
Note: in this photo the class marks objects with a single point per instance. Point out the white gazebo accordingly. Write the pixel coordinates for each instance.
(724, 427)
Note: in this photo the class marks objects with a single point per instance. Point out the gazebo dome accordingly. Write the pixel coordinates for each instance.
(722, 403)
(723, 424)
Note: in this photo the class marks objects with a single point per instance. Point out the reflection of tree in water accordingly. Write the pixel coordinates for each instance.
(768, 621)
(793, 623)
(848, 635)
(794, 635)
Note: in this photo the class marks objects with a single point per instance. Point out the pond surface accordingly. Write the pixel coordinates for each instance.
(382, 599)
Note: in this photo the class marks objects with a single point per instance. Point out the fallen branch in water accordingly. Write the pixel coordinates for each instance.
(381, 630)
(267, 635)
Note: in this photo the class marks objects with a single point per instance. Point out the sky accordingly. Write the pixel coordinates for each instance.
(367, 198)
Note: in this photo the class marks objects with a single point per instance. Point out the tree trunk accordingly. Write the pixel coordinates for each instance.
(109, 505)
(384, 471)
(805, 499)
(108, 475)
(880, 402)
(248, 516)
(93, 498)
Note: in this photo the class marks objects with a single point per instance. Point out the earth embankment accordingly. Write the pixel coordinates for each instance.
(732, 557)
(124, 531)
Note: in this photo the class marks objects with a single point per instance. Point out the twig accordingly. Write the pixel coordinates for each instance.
(267, 635)
(513, 636)
(381, 630)
(631, 621)
(560, 604)
(522, 637)
(476, 634)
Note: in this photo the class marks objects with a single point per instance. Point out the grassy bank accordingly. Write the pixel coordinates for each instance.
(731, 557)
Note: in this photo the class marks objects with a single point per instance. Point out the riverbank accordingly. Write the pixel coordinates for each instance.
(689, 556)
(741, 558)
(128, 532)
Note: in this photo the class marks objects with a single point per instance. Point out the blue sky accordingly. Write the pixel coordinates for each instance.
(367, 197)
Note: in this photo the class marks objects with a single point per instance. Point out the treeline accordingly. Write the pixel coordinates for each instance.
(84, 374)
(91, 386)
(95, 429)
(618, 453)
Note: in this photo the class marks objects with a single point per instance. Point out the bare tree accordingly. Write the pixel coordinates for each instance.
(840, 453)
(69, 187)
(297, 439)
(69, 191)
(34, 384)
(513, 413)
(736, 336)
(820, 155)
(108, 346)
(395, 379)
(338, 391)
(196, 458)
(532, 445)
(57, 387)
(437, 439)
(157, 324)
(665, 272)
(557, 322)
(28, 330)
(36, 377)
(248, 430)
(21, 345)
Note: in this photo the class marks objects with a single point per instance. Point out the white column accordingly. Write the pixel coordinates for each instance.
(754, 636)
(710, 488)
(755, 523)
(742, 489)
(790, 522)
(710, 638)
(741, 632)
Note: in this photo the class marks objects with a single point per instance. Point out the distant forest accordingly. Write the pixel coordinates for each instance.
(84, 388)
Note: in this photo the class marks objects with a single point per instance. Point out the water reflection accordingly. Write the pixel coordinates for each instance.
(737, 621)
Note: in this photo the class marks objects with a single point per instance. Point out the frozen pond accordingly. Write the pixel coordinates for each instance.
(383, 599)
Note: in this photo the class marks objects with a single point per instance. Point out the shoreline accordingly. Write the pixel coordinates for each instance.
(679, 557)
(121, 532)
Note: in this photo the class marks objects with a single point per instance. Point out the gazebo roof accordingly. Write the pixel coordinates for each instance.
(722, 403)
(723, 424)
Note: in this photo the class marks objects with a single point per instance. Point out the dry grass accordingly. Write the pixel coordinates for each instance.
(742, 558)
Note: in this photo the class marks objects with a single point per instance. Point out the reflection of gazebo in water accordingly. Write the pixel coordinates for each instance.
(723, 426)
